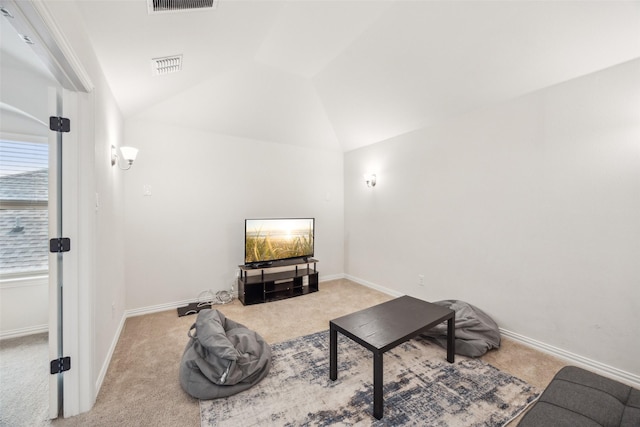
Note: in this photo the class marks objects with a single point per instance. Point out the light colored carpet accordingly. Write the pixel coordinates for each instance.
(141, 387)
(24, 381)
(420, 388)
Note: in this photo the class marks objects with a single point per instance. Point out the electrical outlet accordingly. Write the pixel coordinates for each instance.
(113, 310)
(420, 280)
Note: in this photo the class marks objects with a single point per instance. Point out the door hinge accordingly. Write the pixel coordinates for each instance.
(60, 365)
(59, 124)
(60, 244)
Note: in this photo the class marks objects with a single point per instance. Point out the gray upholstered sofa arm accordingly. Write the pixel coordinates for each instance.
(576, 397)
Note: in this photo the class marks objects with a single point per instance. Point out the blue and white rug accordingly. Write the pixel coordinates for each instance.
(420, 389)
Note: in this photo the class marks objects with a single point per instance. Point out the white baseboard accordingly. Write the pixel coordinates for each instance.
(157, 308)
(577, 360)
(331, 277)
(23, 332)
(107, 361)
(373, 286)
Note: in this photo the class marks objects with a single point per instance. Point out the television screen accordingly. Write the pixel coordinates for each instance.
(267, 240)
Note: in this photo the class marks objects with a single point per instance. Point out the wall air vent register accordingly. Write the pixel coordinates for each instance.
(162, 6)
(166, 65)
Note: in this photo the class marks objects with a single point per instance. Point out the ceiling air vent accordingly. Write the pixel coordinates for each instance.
(159, 6)
(166, 65)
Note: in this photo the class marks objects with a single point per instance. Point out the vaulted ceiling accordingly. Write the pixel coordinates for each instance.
(340, 75)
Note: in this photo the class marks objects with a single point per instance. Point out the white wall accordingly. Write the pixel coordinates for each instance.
(529, 210)
(188, 236)
(108, 194)
(24, 306)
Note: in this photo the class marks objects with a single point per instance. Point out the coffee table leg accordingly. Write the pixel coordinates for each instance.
(333, 353)
(377, 385)
(451, 339)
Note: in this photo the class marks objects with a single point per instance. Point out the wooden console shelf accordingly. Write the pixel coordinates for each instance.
(280, 280)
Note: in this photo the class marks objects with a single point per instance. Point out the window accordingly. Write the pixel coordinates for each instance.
(24, 194)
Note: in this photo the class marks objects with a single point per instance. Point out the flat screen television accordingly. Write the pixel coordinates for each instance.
(276, 239)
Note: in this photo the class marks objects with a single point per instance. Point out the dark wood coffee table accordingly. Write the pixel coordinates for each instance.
(384, 326)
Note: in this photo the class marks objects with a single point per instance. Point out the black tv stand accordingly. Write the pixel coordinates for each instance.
(276, 281)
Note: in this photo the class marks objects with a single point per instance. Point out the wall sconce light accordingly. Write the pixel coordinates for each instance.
(370, 179)
(128, 155)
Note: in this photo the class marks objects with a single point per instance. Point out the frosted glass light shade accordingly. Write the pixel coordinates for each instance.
(129, 153)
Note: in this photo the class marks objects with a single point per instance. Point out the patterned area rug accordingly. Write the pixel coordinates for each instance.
(420, 389)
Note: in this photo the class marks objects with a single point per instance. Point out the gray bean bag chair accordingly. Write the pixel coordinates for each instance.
(222, 357)
(476, 332)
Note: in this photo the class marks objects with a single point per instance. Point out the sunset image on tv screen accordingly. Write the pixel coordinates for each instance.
(273, 239)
